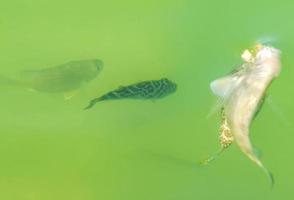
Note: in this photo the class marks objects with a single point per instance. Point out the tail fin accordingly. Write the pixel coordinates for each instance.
(92, 103)
(246, 146)
(7, 81)
(270, 176)
(256, 160)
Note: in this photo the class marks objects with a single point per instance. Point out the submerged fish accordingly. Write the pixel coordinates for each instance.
(63, 78)
(144, 90)
(242, 94)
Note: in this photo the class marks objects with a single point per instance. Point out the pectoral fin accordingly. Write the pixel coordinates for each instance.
(224, 86)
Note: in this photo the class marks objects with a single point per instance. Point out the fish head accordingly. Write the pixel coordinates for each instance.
(172, 87)
(269, 57)
(263, 56)
(264, 53)
(87, 70)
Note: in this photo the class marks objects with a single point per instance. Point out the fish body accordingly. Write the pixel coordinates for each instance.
(243, 93)
(66, 77)
(62, 78)
(154, 89)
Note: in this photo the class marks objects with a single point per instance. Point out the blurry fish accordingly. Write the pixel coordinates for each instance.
(144, 90)
(242, 94)
(65, 78)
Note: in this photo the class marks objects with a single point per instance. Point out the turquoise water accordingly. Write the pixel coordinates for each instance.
(123, 150)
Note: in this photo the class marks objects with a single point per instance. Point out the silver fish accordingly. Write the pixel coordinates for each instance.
(242, 94)
(63, 78)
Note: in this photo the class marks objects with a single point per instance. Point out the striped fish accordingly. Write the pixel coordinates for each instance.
(154, 89)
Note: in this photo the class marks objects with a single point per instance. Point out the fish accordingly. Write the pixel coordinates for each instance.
(242, 94)
(64, 78)
(154, 89)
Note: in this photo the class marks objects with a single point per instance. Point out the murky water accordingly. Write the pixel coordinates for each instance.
(51, 148)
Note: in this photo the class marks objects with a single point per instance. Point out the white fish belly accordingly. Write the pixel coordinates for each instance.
(242, 106)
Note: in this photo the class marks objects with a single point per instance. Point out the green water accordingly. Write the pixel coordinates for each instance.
(139, 150)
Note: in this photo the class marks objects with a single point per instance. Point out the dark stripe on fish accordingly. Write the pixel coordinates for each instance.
(154, 89)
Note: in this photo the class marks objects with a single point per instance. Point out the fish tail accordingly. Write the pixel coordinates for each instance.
(111, 96)
(107, 96)
(267, 172)
(256, 160)
(242, 139)
(92, 103)
(212, 157)
(7, 81)
(270, 176)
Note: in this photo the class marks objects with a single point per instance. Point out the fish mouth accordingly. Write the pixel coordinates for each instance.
(175, 87)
